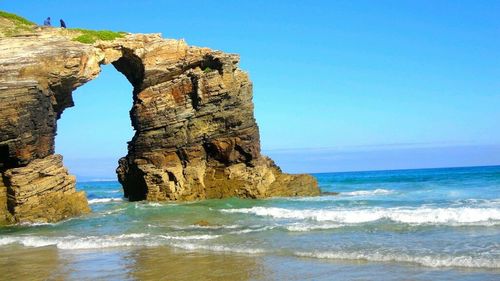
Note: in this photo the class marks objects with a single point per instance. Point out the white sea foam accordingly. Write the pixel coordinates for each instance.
(107, 241)
(125, 240)
(218, 248)
(312, 198)
(154, 204)
(300, 227)
(32, 241)
(29, 241)
(378, 191)
(114, 211)
(190, 237)
(38, 223)
(425, 260)
(236, 229)
(148, 205)
(213, 227)
(483, 203)
(422, 215)
(7, 240)
(104, 200)
(375, 192)
(250, 230)
(99, 242)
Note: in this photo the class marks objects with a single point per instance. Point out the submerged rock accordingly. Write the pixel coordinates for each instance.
(203, 223)
(329, 193)
(195, 132)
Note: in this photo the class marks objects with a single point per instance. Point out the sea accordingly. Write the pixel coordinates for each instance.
(426, 224)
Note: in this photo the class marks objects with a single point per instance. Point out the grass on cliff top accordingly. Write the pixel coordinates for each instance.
(11, 24)
(91, 36)
(15, 18)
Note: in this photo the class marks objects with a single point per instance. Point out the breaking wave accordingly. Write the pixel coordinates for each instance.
(420, 215)
(218, 248)
(427, 260)
(300, 227)
(190, 237)
(251, 229)
(211, 227)
(377, 191)
(99, 242)
(104, 200)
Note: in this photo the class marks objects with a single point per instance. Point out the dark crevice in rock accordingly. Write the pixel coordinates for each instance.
(6, 160)
(9, 194)
(132, 180)
(183, 157)
(195, 95)
(227, 151)
(132, 67)
(248, 157)
(210, 62)
(63, 99)
(211, 152)
(171, 177)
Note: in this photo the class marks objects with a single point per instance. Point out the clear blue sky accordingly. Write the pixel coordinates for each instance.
(338, 85)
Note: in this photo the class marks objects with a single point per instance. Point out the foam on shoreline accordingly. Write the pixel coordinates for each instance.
(100, 242)
(426, 260)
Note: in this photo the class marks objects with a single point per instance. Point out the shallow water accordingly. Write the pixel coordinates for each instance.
(388, 225)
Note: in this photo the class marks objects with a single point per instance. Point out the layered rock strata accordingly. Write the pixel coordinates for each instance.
(195, 132)
(5, 216)
(43, 191)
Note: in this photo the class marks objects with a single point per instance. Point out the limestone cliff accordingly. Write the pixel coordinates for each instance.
(195, 132)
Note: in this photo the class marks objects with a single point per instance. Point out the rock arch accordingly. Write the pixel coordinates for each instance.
(195, 133)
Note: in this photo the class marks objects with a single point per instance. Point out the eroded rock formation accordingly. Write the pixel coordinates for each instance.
(196, 136)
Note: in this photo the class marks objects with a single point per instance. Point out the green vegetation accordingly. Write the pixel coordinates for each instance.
(15, 18)
(207, 69)
(91, 36)
(11, 25)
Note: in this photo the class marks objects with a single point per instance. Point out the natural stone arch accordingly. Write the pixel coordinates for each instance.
(195, 133)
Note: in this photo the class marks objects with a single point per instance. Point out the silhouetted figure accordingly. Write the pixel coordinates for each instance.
(63, 24)
(46, 22)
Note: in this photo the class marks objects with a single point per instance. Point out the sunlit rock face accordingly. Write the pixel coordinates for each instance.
(195, 132)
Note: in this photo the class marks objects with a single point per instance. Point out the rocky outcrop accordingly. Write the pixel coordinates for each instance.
(195, 132)
(4, 213)
(196, 135)
(38, 72)
(43, 191)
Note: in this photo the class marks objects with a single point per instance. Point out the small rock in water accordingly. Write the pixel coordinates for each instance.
(203, 223)
(329, 193)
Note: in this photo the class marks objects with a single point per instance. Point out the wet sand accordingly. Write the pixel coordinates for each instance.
(163, 263)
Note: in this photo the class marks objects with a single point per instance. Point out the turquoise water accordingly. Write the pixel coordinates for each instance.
(387, 225)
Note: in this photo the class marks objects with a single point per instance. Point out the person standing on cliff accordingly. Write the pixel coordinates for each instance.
(63, 24)
(46, 22)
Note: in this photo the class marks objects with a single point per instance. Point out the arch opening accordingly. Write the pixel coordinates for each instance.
(93, 135)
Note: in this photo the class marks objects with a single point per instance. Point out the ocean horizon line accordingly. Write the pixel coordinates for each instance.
(410, 169)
